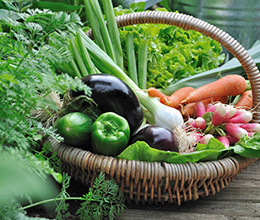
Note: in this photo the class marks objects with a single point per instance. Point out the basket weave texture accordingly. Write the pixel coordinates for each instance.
(159, 183)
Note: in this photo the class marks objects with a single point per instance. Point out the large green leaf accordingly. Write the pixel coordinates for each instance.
(214, 150)
(140, 150)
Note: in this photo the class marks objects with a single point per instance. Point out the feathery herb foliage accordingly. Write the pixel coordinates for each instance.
(28, 78)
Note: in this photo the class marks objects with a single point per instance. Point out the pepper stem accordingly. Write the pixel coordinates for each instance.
(109, 128)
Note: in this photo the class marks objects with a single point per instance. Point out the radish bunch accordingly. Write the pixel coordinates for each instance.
(224, 122)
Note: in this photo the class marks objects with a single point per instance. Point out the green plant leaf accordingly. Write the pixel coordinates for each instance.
(140, 150)
(248, 146)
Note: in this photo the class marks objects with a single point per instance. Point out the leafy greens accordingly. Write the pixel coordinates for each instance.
(173, 53)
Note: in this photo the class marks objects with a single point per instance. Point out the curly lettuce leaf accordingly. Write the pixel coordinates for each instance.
(174, 53)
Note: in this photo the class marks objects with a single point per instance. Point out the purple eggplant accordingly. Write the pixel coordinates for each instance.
(113, 95)
(157, 137)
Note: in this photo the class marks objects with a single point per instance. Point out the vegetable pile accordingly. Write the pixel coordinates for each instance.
(184, 123)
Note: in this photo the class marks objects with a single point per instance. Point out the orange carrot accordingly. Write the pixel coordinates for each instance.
(153, 92)
(174, 100)
(230, 85)
(189, 110)
(245, 101)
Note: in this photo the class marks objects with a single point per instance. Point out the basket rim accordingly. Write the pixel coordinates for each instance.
(151, 182)
(70, 154)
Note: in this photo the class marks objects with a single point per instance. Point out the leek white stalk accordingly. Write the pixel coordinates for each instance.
(163, 115)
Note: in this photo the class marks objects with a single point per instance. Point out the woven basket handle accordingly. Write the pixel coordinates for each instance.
(188, 22)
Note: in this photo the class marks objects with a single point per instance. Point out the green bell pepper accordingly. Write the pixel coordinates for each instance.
(110, 134)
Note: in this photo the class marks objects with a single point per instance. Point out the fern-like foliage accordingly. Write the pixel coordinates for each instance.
(27, 77)
(104, 200)
(28, 73)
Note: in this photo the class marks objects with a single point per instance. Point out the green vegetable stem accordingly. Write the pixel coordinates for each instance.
(113, 31)
(94, 23)
(110, 134)
(142, 64)
(131, 61)
(95, 13)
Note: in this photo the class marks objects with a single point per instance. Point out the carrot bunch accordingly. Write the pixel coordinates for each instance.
(173, 100)
(186, 99)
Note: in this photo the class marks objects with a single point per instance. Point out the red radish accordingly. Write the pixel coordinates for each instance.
(230, 112)
(212, 108)
(239, 112)
(224, 141)
(208, 107)
(200, 123)
(200, 109)
(251, 127)
(189, 110)
(206, 138)
(244, 117)
(219, 114)
(190, 122)
(196, 136)
(196, 123)
(235, 130)
(232, 139)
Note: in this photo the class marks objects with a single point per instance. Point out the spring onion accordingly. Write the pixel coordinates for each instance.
(91, 69)
(98, 15)
(113, 31)
(77, 57)
(162, 115)
(94, 23)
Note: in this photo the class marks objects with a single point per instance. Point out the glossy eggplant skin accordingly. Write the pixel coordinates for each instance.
(157, 137)
(113, 95)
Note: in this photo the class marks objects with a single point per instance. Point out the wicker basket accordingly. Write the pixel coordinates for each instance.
(159, 183)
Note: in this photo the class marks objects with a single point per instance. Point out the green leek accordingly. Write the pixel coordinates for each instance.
(77, 57)
(94, 24)
(102, 27)
(91, 69)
